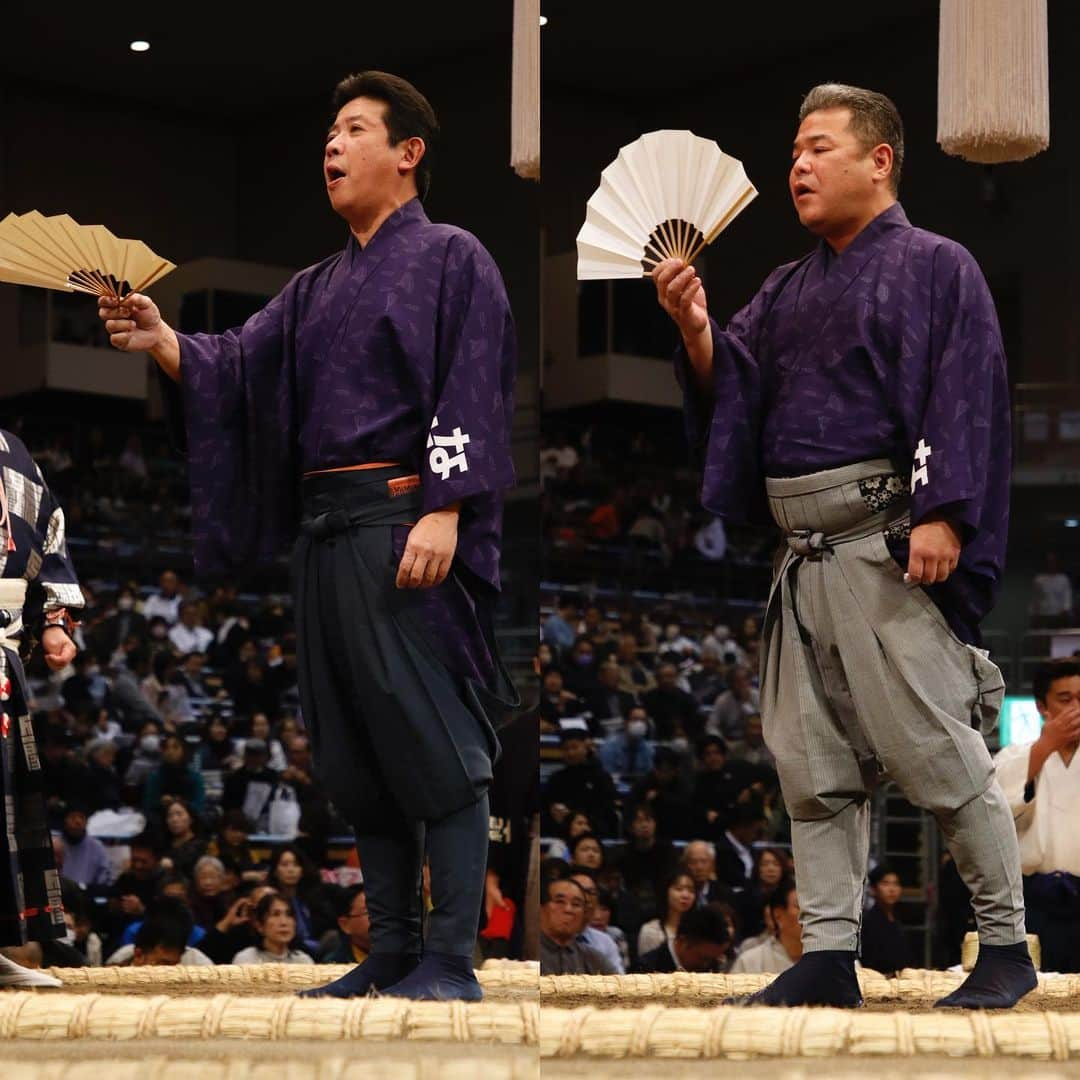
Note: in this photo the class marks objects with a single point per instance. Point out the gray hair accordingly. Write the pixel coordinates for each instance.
(209, 860)
(874, 119)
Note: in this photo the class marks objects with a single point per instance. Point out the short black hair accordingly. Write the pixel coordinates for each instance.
(343, 901)
(880, 871)
(168, 924)
(146, 841)
(1049, 673)
(705, 923)
(573, 844)
(780, 895)
(408, 113)
(545, 889)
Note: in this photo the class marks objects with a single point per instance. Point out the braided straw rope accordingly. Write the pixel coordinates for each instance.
(30, 1015)
(912, 985)
(223, 978)
(295, 1068)
(806, 1032)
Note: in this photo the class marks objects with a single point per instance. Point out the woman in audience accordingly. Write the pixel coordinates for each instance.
(676, 898)
(770, 865)
(217, 753)
(297, 881)
(173, 778)
(185, 843)
(210, 898)
(276, 927)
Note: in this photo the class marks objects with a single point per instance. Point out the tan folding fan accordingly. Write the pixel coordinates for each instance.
(59, 253)
(665, 196)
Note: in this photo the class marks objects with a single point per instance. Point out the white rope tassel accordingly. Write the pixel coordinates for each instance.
(993, 80)
(525, 100)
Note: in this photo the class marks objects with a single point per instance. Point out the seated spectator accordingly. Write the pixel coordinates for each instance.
(354, 929)
(297, 882)
(734, 857)
(211, 898)
(597, 629)
(120, 623)
(587, 850)
(677, 896)
(174, 778)
(165, 603)
(86, 859)
(276, 927)
(83, 938)
(147, 756)
(699, 860)
(216, 752)
(706, 679)
(779, 952)
(84, 692)
(251, 787)
(64, 779)
(602, 944)
(883, 946)
(647, 861)
(701, 944)
(105, 727)
(188, 635)
(606, 704)
(136, 887)
(185, 842)
(162, 939)
(558, 628)
(579, 670)
(734, 706)
(253, 694)
(566, 832)
(634, 677)
(628, 752)
(235, 930)
(232, 848)
(720, 785)
(674, 712)
(164, 691)
(562, 918)
(1041, 781)
(581, 783)
(556, 702)
(261, 730)
(126, 697)
(666, 789)
(106, 787)
(771, 866)
(191, 678)
(603, 912)
(753, 750)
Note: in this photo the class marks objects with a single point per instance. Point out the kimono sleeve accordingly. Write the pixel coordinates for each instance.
(961, 450)
(468, 452)
(1011, 768)
(59, 585)
(235, 414)
(724, 430)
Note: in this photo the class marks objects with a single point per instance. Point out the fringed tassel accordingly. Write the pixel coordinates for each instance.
(525, 96)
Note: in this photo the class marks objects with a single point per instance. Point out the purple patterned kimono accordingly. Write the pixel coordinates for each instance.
(889, 350)
(400, 351)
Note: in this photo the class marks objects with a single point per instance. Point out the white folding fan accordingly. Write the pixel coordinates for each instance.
(665, 196)
(59, 253)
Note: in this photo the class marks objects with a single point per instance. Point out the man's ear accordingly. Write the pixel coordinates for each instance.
(413, 151)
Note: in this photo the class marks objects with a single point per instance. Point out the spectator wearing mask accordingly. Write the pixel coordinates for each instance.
(701, 944)
(734, 707)
(165, 603)
(629, 753)
(86, 859)
(188, 635)
(147, 756)
(581, 783)
(580, 669)
(562, 918)
(354, 929)
(121, 623)
(676, 896)
(1041, 781)
(883, 946)
(84, 692)
(173, 778)
(781, 951)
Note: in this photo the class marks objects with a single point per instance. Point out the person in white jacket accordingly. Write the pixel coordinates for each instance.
(1041, 781)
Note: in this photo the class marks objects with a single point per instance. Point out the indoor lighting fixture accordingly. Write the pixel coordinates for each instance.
(543, 20)
(139, 46)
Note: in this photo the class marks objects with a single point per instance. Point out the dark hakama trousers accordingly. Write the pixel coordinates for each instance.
(400, 690)
(30, 905)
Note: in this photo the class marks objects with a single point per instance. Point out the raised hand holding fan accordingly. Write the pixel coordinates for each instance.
(665, 196)
(59, 253)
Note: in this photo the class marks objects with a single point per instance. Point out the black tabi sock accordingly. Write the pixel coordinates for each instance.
(1002, 975)
(819, 978)
(377, 972)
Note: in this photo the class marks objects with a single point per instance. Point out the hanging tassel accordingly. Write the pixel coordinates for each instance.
(525, 91)
(993, 80)
(5, 518)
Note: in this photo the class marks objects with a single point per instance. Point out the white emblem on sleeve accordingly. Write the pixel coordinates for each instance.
(921, 474)
(440, 459)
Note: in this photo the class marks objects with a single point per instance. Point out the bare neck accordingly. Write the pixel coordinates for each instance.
(840, 237)
(368, 222)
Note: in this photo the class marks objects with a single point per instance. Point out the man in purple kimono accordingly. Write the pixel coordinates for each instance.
(861, 401)
(370, 403)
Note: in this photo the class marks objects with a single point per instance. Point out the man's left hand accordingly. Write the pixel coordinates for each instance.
(934, 552)
(59, 648)
(429, 550)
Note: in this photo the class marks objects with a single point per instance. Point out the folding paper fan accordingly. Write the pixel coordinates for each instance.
(665, 196)
(59, 253)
